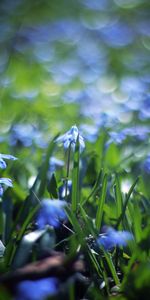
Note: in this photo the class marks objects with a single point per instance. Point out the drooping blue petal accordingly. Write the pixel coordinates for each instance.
(38, 289)
(2, 164)
(70, 138)
(8, 156)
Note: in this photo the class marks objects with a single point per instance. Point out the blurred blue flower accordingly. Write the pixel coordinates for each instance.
(51, 213)
(144, 112)
(26, 135)
(90, 132)
(70, 138)
(37, 289)
(116, 138)
(55, 164)
(146, 165)
(3, 165)
(117, 34)
(114, 238)
(5, 181)
(96, 4)
(139, 132)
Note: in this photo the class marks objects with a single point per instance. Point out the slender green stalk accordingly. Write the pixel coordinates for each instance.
(67, 173)
(126, 203)
(111, 267)
(95, 188)
(44, 169)
(119, 198)
(99, 214)
(9, 255)
(75, 178)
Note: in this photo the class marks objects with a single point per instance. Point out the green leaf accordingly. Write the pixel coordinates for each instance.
(136, 219)
(75, 223)
(24, 250)
(101, 202)
(12, 245)
(52, 187)
(119, 198)
(44, 168)
(88, 222)
(112, 156)
(126, 203)
(95, 188)
(111, 267)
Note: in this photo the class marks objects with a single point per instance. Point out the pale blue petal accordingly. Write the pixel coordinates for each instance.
(6, 181)
(8, 156)
(2, 164)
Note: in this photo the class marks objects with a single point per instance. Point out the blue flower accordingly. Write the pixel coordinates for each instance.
(5, 181)
(51, 213)
(70, 138)
(114, 238)
(5, 156)
(37, 289)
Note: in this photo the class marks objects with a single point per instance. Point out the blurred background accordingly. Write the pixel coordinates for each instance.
(73, 62)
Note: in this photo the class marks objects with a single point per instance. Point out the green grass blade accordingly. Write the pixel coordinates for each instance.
(100, 209)
(52, 187)
(93, 261)
(89, 226)
(12, 246)
(75, 224)
(120, 219)
(111, 267)
(119, 199)
(136, 217)
(95, 188)
(44, 168)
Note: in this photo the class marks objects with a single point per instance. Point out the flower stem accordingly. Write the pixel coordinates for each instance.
(67, 174)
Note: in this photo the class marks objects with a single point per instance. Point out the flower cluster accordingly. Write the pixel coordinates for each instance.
(3, 165)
